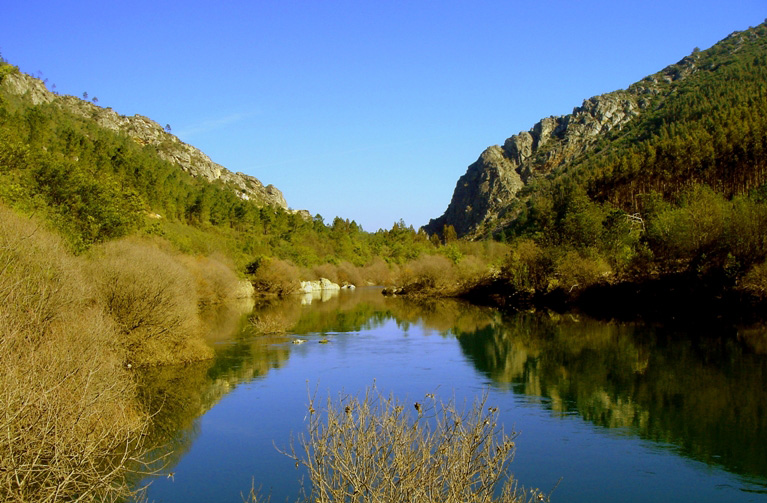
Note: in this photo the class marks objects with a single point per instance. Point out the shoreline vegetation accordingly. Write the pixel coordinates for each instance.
(667, 219)
(73, 331)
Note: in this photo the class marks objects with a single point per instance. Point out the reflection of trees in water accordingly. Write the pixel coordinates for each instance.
(172, 394)
(365, 310)
(443, 315)
(221, 321)
(178, 395)
(705, 395)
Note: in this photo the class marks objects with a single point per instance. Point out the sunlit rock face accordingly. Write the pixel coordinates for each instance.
(145, 131)
(489, 189)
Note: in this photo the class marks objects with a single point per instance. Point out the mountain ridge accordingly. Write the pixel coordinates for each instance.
(145, 131)
(485, 198)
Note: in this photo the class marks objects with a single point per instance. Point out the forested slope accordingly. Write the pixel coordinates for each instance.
(96, 176)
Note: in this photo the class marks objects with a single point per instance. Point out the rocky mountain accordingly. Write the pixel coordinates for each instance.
(487, 196)
(145, 131)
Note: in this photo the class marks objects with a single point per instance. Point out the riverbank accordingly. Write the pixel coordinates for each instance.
(73, 331)
(675, 298)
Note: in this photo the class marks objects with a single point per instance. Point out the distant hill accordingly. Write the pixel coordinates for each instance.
(97, 175)
(701, 120)
(143, 131)
(94, 175)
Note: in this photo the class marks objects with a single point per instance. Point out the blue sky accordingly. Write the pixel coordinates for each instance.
(368, 110)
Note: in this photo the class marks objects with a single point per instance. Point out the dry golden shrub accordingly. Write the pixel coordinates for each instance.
(214, 277)
(378, 272)
(68, 421)
(429, 275)
(327, 271)
(151, 297)
(376, 448)
(275, 276)
(344, 273)
(349, 274)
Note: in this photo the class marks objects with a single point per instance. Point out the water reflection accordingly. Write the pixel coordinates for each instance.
(702, 394)
(178, 396)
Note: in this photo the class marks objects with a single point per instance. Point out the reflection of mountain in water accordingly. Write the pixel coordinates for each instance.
(705, 395)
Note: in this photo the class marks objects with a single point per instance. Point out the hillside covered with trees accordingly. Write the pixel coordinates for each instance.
(109, 246)
(671, 187)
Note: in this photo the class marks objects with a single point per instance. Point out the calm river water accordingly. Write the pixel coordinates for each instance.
(609, 411)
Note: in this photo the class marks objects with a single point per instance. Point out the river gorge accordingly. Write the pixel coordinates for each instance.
(606, 411)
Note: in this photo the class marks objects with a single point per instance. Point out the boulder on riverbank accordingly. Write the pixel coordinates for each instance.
(318, 286)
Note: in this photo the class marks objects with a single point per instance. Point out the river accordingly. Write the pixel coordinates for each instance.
(605, 411)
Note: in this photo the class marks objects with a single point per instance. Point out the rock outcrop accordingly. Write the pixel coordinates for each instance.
(145, 131)
(489, 188)
(320, 285)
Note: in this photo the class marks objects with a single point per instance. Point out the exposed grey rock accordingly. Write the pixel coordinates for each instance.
(489, 188)
(24, 85)
(487, 185)
(147, 132)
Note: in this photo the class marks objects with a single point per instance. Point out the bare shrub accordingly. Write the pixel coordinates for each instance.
(274, 276)
(68, 422)
(151, 297)
(428, 274)
(38, 277)
(214, 278)
(328, 271)
(380, 449)
(349, 274)
(344, 273)
(378, 272)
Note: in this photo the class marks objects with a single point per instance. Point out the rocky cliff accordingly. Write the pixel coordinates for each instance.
(147, 132)
(486, 194)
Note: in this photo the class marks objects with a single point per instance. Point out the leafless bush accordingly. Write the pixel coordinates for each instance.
(275, 276)
(38, 280)
(429, 275)
(68, 423)
(328, 271)
(151, 297)
(377, 449)
(378, 272)
(215, 279)
(349, 274)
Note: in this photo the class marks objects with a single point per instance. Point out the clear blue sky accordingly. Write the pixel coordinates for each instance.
(369, 110)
